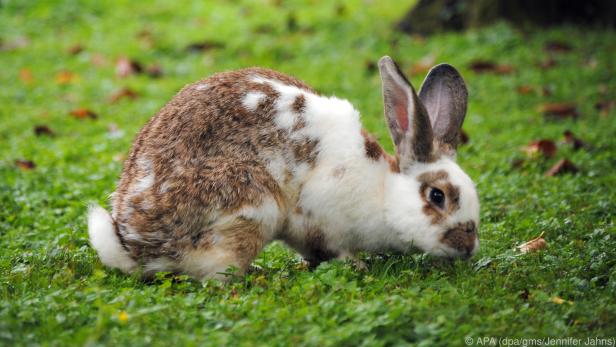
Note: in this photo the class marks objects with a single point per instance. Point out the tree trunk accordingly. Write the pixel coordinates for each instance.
(430, 16)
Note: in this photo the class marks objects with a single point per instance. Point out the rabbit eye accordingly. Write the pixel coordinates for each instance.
(437, 197)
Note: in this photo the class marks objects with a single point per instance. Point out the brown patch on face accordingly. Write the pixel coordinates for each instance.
(316, 246)
(461, 237)
(438, 179)
(375, 152)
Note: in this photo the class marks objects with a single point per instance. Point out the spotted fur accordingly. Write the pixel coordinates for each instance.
(246, 157)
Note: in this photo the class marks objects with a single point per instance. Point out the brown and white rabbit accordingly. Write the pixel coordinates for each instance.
(247, 157)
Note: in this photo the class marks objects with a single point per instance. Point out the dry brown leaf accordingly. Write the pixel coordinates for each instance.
(524, 89)
(533, 245)
(25, 75)
(75, 49)
(126, 67)
(123, 93)
(559, 110)
(18, 43)
(83, 113)
(204, 45)
(557, 47)
(547, 64)
(154, 70)
(40, 130)
(423, 65)
(486, 66)
(576, 143)
(543, 147)
(604, 107)
(98, 60)
(561, 167)
(65, 77)
(25, 165)
(370, 66)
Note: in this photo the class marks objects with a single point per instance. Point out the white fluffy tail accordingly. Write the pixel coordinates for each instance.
(104, 239)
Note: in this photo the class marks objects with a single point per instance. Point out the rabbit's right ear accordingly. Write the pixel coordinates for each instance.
(408, 120)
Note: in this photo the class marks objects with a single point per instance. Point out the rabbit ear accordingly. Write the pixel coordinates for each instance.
(409, 123)
(444, 94)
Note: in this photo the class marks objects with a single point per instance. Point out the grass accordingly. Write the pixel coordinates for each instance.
(54, 291)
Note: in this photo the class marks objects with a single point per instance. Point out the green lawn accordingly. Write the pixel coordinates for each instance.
(54, 290)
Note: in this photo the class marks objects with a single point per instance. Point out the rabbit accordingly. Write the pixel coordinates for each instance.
(246, 157)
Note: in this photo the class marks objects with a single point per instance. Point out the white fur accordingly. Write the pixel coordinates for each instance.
(356, 201)
(251, 100)
(267, 214)
(104, 239)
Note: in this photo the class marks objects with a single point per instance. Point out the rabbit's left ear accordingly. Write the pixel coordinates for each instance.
(444, 95)
(408, 121)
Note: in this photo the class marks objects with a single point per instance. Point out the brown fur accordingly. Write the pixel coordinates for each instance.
(374, 151)
(461, 237)
(438, 179)
(204, 150)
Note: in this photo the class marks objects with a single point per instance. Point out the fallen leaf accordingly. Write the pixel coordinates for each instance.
(127, 67)
(544, 147)
(65, 77)
(486, 66)
(547, 64)
(154, 70)
(524, 89)
(370, 66)
(604, 107)
(423, 65)
(559, 301)
(25, 165)
(557, 47)
(123, 93)
(40, 130)
(533, 245)
(98, 60)
(146, 37)
(576, 143)
(75, 49)
(204, 45)
(559, 110)
(83, 113)
(26, 76)
(561, 167)
(18, 43)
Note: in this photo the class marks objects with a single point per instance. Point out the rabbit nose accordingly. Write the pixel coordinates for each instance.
(462, 237)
